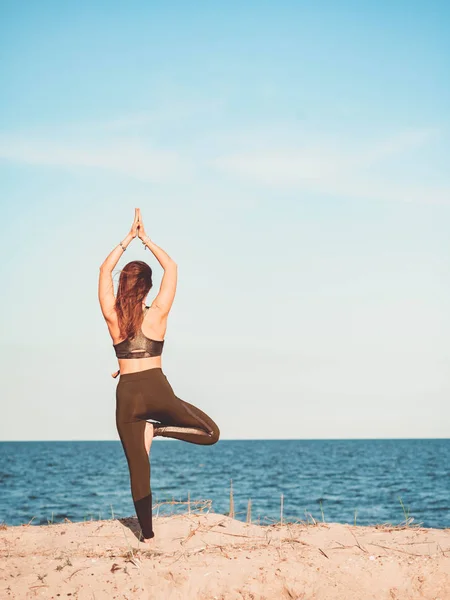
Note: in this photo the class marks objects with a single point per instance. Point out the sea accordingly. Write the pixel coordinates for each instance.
(362, 482)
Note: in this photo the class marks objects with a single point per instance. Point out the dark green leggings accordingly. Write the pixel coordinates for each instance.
(147, 395)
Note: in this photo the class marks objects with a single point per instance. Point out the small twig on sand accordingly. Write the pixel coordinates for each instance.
(394, 549)
(296, 541)
(440, 548)
(76, 571)
(357, 542)
(190, 534)
(241, 535)
(33, 587)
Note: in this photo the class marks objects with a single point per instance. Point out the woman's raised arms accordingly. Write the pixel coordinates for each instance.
(105, 283)
(165, 297)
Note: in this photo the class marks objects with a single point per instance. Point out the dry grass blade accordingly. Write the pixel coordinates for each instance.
(296, 541)
(197, 550)
(75, 572)
(241, 535)
(190, 535)
(281, 509)
(231, 513)
(135, 561)
(200, 506)
(223, 552)
(357, 541)
(33, 587)
(394, 549)
(291, 594)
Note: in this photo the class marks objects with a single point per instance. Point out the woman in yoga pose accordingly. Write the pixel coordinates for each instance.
(143, 391)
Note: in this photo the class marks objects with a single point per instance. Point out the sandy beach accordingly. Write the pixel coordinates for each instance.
(209, 556)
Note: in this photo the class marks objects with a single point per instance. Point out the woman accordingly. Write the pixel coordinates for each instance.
(143, 391)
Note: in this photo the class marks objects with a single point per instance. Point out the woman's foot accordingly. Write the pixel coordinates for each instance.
(157, 430)
(148, 541)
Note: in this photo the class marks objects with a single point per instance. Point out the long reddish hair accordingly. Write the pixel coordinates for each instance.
(135, 282)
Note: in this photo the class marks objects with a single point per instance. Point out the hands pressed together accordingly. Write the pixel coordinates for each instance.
(137, 228)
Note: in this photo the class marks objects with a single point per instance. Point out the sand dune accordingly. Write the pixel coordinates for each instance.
(212, 556)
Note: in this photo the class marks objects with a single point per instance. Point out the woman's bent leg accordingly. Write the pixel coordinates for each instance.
(189, 424)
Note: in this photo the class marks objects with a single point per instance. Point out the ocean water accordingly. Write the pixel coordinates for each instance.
(364, 480)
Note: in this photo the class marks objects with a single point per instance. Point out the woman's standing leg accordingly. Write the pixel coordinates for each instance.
(132, 435)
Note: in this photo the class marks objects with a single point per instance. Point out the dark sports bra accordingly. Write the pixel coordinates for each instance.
(138, 347)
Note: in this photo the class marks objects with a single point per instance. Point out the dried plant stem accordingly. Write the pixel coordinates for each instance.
(249, 511)
(321, 510)
(281, 510)
(231, 512)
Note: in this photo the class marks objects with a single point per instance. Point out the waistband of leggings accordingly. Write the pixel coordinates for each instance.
(144, 374)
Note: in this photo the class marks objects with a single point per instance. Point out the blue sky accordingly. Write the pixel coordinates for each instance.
(292, 157)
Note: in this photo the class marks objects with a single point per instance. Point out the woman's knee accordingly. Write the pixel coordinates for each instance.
(214, 435)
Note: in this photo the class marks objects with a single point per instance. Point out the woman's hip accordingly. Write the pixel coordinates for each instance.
(140, 393)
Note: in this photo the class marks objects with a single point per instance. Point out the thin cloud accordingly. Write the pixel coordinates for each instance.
(336, 167)
(331, 165)
(129, 157)
(314, 157)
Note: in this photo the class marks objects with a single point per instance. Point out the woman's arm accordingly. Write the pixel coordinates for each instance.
(105, 283)
(163, 258)
(113, 257)
(164, 299)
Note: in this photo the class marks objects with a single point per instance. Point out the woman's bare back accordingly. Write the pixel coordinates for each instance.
(154, 326)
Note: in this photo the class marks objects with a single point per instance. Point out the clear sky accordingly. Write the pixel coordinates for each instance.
(292, 157)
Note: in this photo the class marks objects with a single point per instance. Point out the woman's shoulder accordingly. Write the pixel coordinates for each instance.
(154, 311)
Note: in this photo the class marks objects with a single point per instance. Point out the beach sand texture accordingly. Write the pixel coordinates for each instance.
(211, 556)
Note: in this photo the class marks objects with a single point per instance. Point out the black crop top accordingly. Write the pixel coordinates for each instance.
(139, 347)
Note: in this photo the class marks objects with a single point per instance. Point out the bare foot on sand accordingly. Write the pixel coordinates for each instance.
(148, 541)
